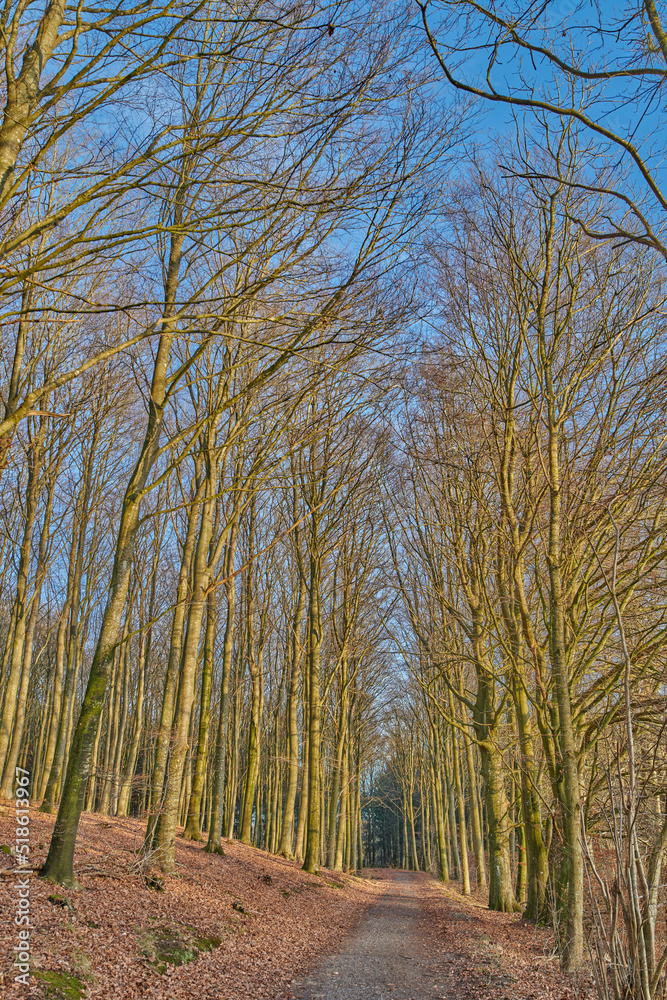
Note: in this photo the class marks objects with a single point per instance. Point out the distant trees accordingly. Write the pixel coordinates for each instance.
(233, 246)
(597, 121)
(532, 444)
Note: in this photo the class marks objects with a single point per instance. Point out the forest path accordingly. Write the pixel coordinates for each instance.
(389, 954)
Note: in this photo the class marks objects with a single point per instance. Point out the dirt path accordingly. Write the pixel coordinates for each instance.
(389, 955)
(423, 941)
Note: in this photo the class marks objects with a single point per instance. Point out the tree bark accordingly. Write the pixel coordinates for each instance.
(214, 845)
(312, 855)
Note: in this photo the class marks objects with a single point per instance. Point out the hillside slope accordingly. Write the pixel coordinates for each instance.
(241, 926)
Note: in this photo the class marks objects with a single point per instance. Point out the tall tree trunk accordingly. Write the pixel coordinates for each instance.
(125, 797)
(232, 789)
(305, 756)
(337, 767)
(7, 789)
(460, 805)
(59, 865)
(344, 806)
(436, 781)
(213, 845)
(122, 726)
(21, 603)
(173, 663)
(295, 647)
(165, 830)
(312, 856)
(67, 704)
(475, 818)
(571, 875)
(192, 829)
(254, 661)
(58, 680)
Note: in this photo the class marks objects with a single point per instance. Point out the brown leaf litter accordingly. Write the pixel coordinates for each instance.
(240, 927)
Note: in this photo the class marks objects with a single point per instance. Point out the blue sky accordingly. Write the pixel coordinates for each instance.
(611, 37)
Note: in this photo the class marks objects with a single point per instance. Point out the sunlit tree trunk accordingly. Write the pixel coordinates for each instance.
(60, 860)
(312, 854)
(436, 782)
(192, 829)
(337, 766)
(173, 663)
(475, 818)
(165, 830)
(460, 806)
(7, 789)
(21, 603)
(296, 656)
(213, 844)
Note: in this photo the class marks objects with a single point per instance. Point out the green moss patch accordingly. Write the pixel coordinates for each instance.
(167, 945)
(208, 943)
(59, 985)
(61, 901)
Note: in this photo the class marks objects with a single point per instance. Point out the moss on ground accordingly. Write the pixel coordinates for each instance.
(168, 945)
(59, 985)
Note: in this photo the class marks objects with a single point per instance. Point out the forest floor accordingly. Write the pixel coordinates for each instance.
(251, 926)
(423, 941)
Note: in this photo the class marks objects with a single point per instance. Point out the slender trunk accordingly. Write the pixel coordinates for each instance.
(61, 644)
(232, 790)
(501, 889)
(125, 797)
(349, 824)
(425, 796)
(436, 782)
(475, 818)
(213, 845)
(254, 660)
(91, 789)
(344, 799)
(463, 836)
(451, 811)
(21, 604)
(501, 892)
(571, 875)
(59, 865)
(305, 756)
(537, 862)
(357, 798)
(7, 788)
(117, 717)
(72, 709)
(175, 653)
(62, 738)
(287, 830)
(192, 829)
(312, 856)
(165, 830)
(112, 724)
(272, 834)
(122, 726)
(337, 768)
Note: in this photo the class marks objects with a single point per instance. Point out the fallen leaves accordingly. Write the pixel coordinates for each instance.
(495, 956)
(244, 926)
(283, 920)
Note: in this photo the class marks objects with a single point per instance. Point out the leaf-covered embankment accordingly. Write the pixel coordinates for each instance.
(236, 927)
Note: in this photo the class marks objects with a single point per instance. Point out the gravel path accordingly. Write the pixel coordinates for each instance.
(386, 956)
